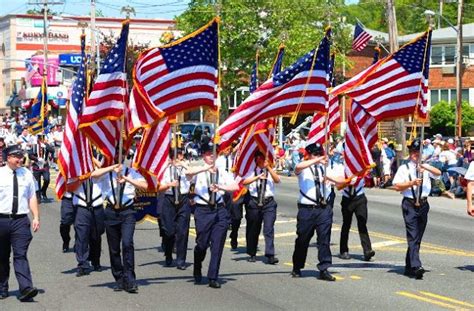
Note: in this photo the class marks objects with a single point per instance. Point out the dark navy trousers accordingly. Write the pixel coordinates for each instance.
(68, 214)
(308, 221)
(175, 224)
(89, 227)
(255, 215)
(42, 186)
(236, 213)
(211, 231)
(415, 219)
(358, 206)
(15, 234)
(120, 228)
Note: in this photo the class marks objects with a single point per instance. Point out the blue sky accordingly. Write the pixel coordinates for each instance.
(144, 8)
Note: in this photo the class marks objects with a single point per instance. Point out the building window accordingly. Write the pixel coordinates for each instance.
(447, 95)
(446, 54)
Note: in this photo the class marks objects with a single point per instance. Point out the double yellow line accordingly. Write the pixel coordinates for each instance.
(438, 300)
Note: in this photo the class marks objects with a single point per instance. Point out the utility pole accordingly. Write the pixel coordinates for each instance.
(92, 23)
(400, 131)
(459, 71)
(127, 9)
(441, 2)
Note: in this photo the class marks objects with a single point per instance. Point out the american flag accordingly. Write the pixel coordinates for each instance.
(152, 157)
(182, 75)
(301, 86)
(100, 119)
(75, 158)
(395, 86)
(254, 76)
(317, 131)
(139, 113)
(361, 38)
(360, 137)
(30, 70)
(37, 120)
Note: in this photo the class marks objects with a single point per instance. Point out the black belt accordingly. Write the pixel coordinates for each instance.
(265, 201)
(423, 200)
(218, 205)
(300, 205)
(90, 207)
(121, 209)
(11, 216)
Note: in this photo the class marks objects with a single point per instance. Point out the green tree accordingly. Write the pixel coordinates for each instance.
(442, 118)
(410, 17)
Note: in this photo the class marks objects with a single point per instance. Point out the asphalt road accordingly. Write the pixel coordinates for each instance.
(447, 253)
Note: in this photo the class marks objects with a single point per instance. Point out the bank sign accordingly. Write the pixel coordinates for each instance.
(69, 59)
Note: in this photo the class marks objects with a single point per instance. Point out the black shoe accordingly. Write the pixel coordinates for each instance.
(97, 268)
(345, 256)
(369, 255)
(132, 289)
(408, 272)
(272, 260)
(28, 294)
(118, 287)
(81, 272)
(169, 261)
(65, 247)
(181, 267)
(214, 284)
(418, 272)
(3, 295)
(296, 273)
(44, 197)
(325, 275)
(252, 259)
(197, 275)
(233, 244)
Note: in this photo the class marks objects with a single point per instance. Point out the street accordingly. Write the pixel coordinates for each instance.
(447, 253)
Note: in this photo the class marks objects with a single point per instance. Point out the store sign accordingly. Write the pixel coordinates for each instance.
(53, 65)
(36, 36)
(69, 59)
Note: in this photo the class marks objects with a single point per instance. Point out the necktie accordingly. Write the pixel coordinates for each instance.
(15, 194)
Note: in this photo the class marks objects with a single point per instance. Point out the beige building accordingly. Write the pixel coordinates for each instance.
(21, 37)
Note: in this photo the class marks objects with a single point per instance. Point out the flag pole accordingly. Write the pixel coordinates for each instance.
(422, 131)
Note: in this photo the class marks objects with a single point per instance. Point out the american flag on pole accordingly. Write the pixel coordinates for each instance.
(317, 131)
(395, 86)
(360, 137)
(254, 76)
(299, 87)
(182, 75)
(139, 113)
(75, 157)
(152, 157)
(361, 38)
(100, 119)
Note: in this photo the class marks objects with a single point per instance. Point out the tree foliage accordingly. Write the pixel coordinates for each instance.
(410, 17)
(442, 118)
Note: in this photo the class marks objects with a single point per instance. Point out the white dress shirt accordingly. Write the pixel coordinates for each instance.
(355, 188)
(79, 196)
(307, 185)
(270, 186)
(26, 190)
(404, 174)
(224, 163)
(168, 177)
(202, 182)
(110, 187)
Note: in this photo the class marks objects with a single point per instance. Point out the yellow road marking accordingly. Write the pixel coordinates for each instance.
(448, 299)
(355, 277)
(338, 278)
(424, 299)
(288, 264)
(385, 243)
